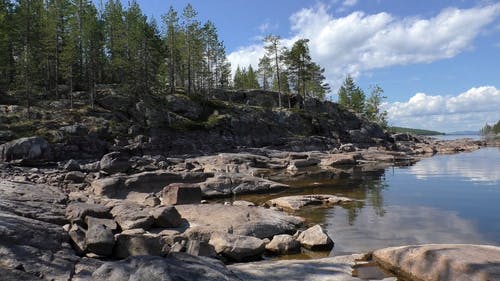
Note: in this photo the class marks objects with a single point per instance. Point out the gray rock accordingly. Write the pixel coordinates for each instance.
(181, 193)
(99, 240)
(137, 242)
(75, 130)
(183, 106)
(77, 236)
(109, 223)
(130, 216)
(166, 216)
(315, 238)
(75, 176)
(296, 202)
(176, 266)
(71, 165)
(442, 262)
(115, 162)
(200, 248)
(340, 159)
(41, 202)
(228, 184)
(237, 247)
(31, 148)
(334, 269)
(120, 187)
(283, 244)
(77, 212)
(241, 220)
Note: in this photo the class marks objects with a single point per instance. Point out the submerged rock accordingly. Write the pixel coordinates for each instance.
(297, 202)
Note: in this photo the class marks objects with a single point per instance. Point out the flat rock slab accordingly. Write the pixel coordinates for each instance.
(442, 262)
(228, 184)
(37, 201)
(333, 269)
(241, 220)
(297, 202)
(176, 266)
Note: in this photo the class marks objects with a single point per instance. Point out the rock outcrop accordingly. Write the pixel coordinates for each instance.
(442, 262)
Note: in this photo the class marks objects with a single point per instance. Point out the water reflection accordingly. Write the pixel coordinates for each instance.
(471, 166)
(443, 199)
(400, 225)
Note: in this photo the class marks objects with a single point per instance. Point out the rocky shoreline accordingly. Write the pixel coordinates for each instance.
(132, 217)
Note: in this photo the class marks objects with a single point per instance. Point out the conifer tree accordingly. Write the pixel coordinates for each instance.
(265, 72)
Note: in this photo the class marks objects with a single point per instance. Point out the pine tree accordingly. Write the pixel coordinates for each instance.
(372, 107)
(116, 41)
(298, 60)
(7, 67)
(351, 96)
(251, 81)
(265, 72)
(171, 22)
(274, 51)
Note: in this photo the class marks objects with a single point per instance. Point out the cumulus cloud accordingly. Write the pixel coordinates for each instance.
(361, 42)
(467, 111)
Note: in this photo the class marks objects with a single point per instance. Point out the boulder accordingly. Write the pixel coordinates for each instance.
(76, 212)
(77, 236)
(137, 242)
(109, 223)
(183, 106)
(297, 202)
(237, 247)
(99, 240)
(130, 216)
(240, 220)
(228, 184)
(283, 244)
(333, 268)
(315, 238)
(115, 162)
(442, 262)
(303, 163)
(200, 248)
(71, 165)
(75, 176)
(30, 148)
(179, 193)
(166, 216)
(176, 266)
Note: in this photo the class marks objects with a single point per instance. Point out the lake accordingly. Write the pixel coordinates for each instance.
(442, 199)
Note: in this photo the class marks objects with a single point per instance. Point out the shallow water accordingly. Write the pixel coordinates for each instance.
(442, 199)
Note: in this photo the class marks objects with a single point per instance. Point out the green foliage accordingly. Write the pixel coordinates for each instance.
(421, 132)
(265, 72)
(491, 130)
(372, 107)
(245, 79)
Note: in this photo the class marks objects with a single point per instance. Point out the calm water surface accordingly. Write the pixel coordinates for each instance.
(442, 199)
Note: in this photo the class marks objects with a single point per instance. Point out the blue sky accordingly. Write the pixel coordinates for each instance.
(438, 61)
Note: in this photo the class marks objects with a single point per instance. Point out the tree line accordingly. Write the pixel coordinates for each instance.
(490, 129)
(285, 70)
(48, 43)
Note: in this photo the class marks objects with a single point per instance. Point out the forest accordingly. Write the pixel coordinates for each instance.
(56, 47)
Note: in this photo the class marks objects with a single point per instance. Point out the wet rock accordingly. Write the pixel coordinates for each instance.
(240, 220)
(77, 212)
(334, 268)
(137, 242)
(115, 162)
(297, 202)
(30, 148)
(303, 163)
(237, 247)
(442, 262)
(283, 244)
(130, 216)
(99, 240)
(315, 238)
(179, 193)
(166, 216)
(176, 266)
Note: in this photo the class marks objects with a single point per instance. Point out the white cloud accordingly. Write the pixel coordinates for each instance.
(467, 111)
(361, 42)
(349, 3)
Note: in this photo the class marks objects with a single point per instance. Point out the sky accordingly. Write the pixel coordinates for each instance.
(437, 61)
